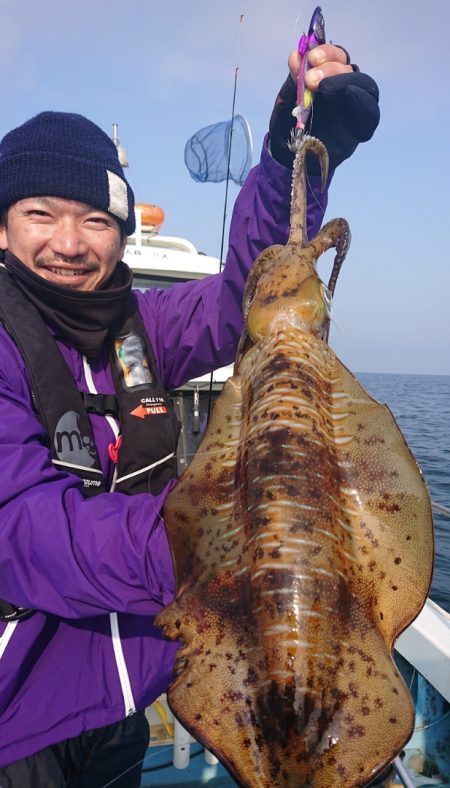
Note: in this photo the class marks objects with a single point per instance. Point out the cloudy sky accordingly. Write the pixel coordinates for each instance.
(162, 70)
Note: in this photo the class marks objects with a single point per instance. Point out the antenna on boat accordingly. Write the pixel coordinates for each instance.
(123, 159)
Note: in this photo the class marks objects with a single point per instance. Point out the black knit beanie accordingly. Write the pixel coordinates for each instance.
(60, 154)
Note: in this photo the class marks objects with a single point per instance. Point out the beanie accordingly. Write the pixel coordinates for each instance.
(60, 154)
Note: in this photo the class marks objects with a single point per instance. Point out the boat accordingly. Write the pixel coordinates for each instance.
(422, 652)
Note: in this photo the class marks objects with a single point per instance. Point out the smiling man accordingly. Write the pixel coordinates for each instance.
(84, 560)
(66, 242)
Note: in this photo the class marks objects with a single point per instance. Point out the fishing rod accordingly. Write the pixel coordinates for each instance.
(227, 183)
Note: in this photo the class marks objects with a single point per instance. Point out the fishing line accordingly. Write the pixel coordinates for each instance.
(427, 726)
(166, 765)
(138, 763)
(316, 200)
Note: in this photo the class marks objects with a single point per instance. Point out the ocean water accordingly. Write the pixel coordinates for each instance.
(421, 406)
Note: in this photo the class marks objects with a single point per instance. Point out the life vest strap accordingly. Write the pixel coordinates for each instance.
(102, 404)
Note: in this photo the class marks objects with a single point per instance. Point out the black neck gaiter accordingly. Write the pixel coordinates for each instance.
(82, 317)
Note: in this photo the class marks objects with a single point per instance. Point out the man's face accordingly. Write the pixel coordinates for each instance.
(66, 242)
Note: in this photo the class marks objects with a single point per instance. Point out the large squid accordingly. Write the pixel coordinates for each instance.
(302, 541)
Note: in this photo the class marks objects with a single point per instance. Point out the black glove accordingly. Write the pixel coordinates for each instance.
(345, 112)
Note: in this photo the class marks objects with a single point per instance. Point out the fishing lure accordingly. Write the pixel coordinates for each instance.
(315, 37)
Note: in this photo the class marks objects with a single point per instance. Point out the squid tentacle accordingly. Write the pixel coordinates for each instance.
(298, 235)
(336, 233)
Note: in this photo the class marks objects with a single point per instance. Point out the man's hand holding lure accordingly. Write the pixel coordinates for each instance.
(315, 37)
(345, 110)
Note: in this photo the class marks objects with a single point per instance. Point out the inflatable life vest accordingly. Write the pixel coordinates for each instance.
(149, 431)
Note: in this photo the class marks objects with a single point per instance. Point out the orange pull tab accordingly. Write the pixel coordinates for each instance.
(113, 450)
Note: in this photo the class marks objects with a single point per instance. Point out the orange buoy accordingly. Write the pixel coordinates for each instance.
(151, 215)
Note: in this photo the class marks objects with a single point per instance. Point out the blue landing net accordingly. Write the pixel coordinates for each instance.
(208, 151)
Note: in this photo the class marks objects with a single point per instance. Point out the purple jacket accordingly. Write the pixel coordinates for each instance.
(100, 569)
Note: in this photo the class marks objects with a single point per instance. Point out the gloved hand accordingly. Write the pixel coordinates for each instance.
(345, 112)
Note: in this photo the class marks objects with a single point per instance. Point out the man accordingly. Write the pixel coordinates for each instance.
(84, 560)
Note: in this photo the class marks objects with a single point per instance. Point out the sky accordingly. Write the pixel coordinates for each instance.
(164, 70)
